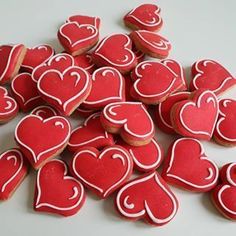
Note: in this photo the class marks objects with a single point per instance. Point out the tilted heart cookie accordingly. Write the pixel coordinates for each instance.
(8, 106)
(123, 59)
(44, 112)
(224, 195)
(91, 133)
(42, 139)
(83, 112)
(56, 192)
(145, 16)
(147, 157)
(197, 116)
(225, 131)
(108, 86)
(154, 82)
(85, 20)
(147, 197)
(102, 172)
(209, 74)
(85, 61)
(35, 56)
(188, 167)
(131, 120)
(25, 92)
(77, 38)
(13, 169)
(65, 91)
(11, 57)
(150, 43)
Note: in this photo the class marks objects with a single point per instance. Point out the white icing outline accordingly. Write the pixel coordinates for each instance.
(39, 204)
(202, 156)
(36, 158)
(37, 110)
(95, 18)
(99, 156)
(146, 209)
(108, 109)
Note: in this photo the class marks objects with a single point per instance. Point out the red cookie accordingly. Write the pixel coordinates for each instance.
(225, 131)
(123, 59)
(25, 91)
(108, 86)
(102, 172)
(91, 133)
(224, 195)
(77, 38)
(147, 197)
(139, 54)
(85, 20)
(65, 91)
(187, 166)
(83, 112)
(11, 57)
(154, 82)
(131, 120)
(56, 192)
(13, 170)
(58, 62)
(128, 86)
(8, 106)
(209, 74)
(42, 139)
(151, 43)
(36, 56)
(85, 61)
(163, 111)
(145, 16)
(44, 112)
(197, 116)
(147, 157)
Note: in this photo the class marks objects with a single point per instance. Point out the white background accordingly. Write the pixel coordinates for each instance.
(197, 29)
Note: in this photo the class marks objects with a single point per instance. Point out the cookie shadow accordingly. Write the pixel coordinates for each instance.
(188, 74)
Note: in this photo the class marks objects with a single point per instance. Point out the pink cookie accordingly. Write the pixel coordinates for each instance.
(147, 197)
(56, 192)
(25, 92)
(13, 170)
(85, 61)
(209, 74)
(145, 16)
(102, 172)
(197, 116)
(42, 139)
(131, 120)
(91, 133)
(123, 59)
(187, 166)
(36, 56)
(108, 86)
(8, 106)
(44, 112)
(85, 20)
(147, 157)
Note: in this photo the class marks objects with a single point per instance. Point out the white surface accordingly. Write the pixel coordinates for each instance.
(197, 29)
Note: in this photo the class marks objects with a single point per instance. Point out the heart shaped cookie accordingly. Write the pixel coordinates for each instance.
(102, 172)
(56, 192)
(85, 20)
(85, 61)
(131, 120)
(83, 112)
(147, 197)
(44, 112)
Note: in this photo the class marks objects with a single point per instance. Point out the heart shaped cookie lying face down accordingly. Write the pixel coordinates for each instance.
(102, 172)
(196, 117)
(188, 167)
(147, 197)
(145, 16)
(123, 59)
(224, 195)
(56, 192)
(131, 120)
(13, 169)
(37, 145)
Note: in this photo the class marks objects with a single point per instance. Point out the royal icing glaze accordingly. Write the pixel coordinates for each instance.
(13, 169)
(86, 62)
(209, 74)
(88, 20)
(56, 192)
(44, 112)
(91, 133)
(147, 197)
(103, 172)
(37, 145)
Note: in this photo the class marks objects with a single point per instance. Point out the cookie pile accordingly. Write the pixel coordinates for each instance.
(122, 95)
